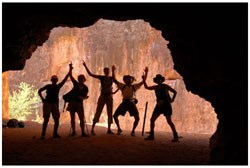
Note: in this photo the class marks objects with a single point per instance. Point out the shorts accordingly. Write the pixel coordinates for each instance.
(163, 107)
(127, 106)
(75, 107)
(51, 108)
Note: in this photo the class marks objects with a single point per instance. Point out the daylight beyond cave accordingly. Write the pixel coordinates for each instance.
(130, 45)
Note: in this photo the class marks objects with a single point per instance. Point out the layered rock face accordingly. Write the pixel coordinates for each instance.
(5, 96)
(209, 50)
(129, 45)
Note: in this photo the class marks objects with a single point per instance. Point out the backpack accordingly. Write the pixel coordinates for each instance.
(69, 96)
(14, 123)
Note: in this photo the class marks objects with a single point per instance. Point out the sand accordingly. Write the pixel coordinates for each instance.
(23, 146)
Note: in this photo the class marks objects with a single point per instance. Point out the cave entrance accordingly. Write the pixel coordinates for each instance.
(130, 45)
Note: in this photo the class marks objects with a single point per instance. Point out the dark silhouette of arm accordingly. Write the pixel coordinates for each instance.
(144, 77)
(85, 95)
(173, 91)
(115, 91)
(148, 87)
(88, 71)
(139, 84)
(66, 77)
(40, 92)
(113, 75)
(73, 79)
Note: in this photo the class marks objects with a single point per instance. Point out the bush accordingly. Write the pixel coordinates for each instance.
(24, 102)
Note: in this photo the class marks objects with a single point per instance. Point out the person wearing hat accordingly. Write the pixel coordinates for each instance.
(129, 102)
(163, 104)
(51, 103)
(79, 93)
(105, 97)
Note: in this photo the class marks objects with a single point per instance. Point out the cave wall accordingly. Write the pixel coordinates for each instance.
(130, 45)
(5, 96)
(208, 44)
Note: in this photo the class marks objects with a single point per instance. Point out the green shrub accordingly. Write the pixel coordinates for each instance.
(24, 102)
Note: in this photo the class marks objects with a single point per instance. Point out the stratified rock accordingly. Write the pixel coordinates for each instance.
(129, 45)
(5, 96)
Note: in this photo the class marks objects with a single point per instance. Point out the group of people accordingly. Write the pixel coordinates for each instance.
(128, 89)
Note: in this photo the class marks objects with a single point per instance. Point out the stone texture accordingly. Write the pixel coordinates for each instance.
(208, 48)
(129, 45)
(5, 96)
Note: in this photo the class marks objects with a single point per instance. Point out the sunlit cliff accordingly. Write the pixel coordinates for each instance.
(129, 45)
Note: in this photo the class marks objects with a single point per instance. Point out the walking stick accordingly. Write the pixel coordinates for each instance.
(145, 114)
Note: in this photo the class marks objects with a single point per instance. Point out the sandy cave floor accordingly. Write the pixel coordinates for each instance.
(23, 146)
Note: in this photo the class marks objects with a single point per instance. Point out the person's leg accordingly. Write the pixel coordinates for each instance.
(152, 126)
(99, 108)
(116, 115)
(44, 127)
(119, 111)
(134, 112)
(135, 124)
(81, 118)
(72, 118)
(46, 115)
(56, 116)
(55, 134)
(171, 124)
(109, 104)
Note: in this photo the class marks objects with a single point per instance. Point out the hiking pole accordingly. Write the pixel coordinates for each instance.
(144, 120)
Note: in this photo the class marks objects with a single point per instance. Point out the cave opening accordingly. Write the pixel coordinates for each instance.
(130, 45)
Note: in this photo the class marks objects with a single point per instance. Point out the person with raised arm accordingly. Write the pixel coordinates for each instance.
(105, 97)
(78, 94)
(128, 102)
(163, 103)
(51, 103)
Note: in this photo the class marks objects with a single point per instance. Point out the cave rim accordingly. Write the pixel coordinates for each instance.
(129, 20)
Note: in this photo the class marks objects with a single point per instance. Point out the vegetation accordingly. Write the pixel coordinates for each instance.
(24, 102)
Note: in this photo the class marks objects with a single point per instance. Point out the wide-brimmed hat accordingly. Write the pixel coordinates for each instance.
(128, 77)
(158, 77)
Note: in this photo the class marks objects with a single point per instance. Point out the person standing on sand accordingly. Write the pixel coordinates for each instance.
(129, 102)
(78, 94)
(163, 105)
(51, 103)
(104, 98)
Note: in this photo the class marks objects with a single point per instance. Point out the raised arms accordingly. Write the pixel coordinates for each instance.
(113, 74)
(72, 78)
(140, 83)
(88, 71)
(144, 77)
(65, 78)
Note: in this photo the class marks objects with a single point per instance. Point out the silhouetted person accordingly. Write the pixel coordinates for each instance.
(163, 105)
(80, 92)
(129, 102)
(51, 103)
(104, 98)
